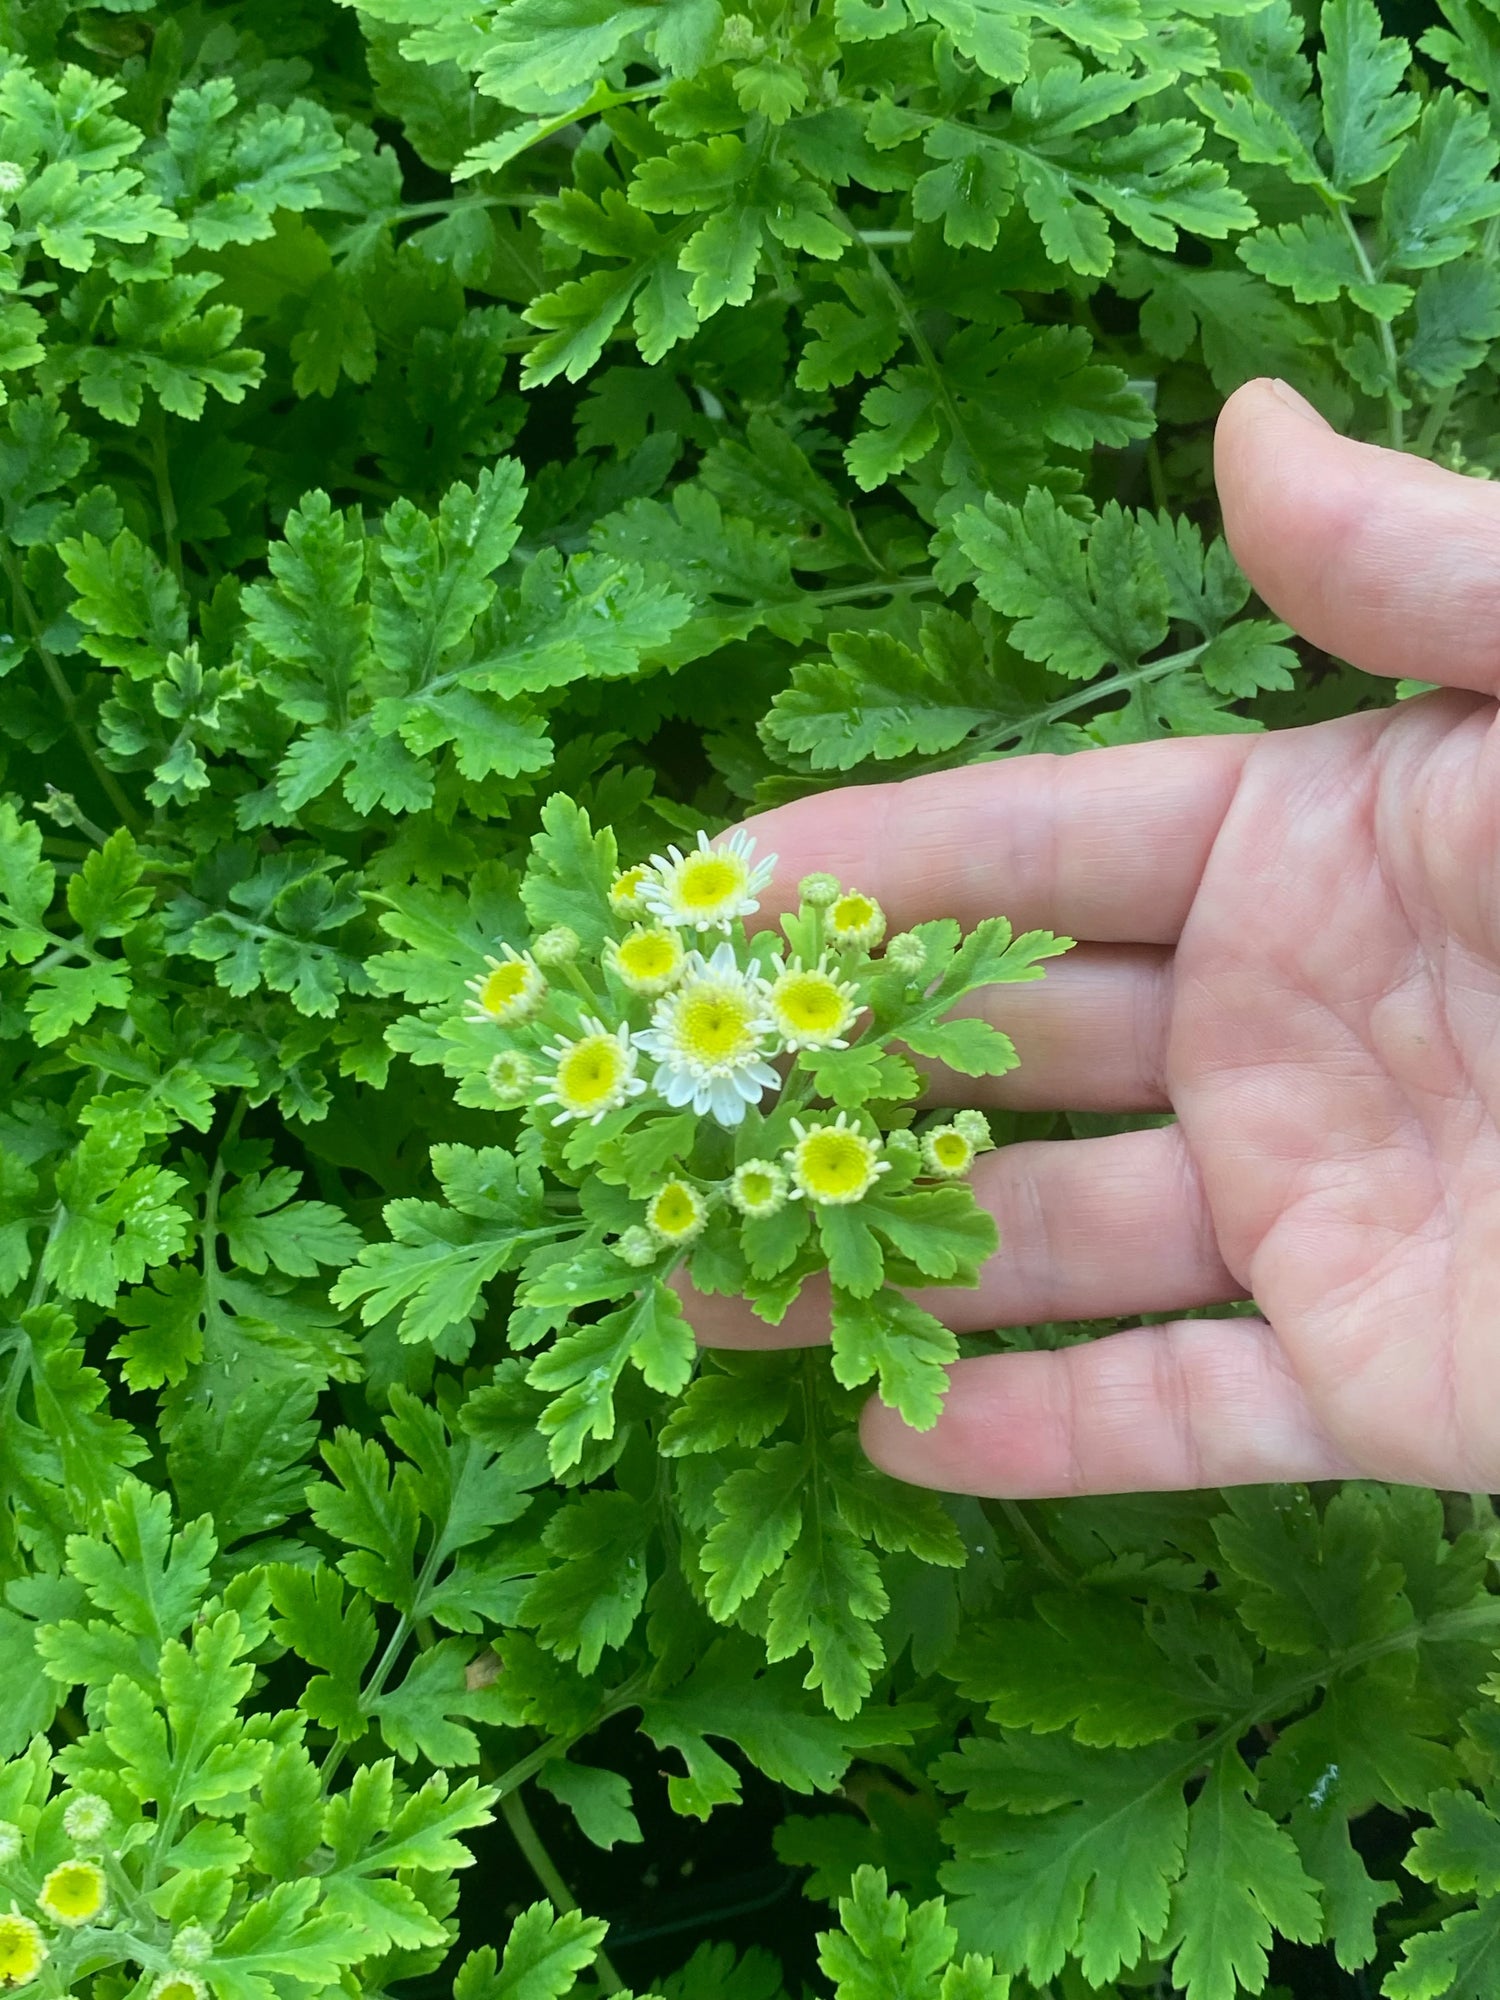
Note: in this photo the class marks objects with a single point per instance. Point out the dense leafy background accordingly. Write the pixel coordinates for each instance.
(416, 410)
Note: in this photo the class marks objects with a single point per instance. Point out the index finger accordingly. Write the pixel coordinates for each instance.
(1106, 844)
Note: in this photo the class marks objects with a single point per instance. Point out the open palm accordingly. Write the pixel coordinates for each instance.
(1292, 941)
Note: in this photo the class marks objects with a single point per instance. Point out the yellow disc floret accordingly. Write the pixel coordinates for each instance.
(22, 1949)
(510, 992)
(811, 1009)
(676, 1213)
(856, 919)
(74, 1893)
(648, 960)
(947, 1151)
(625, 890)
(834, 1164)
(595, 1073)
(707, 888)
(758, 1188)
(181, 1985)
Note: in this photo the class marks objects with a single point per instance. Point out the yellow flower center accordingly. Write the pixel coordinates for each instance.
(650, 955)
(951, 1149)
(757, 1189)
(835, 1165)
(675, 1211)
(853, 913)
(624, 891)
(504, 986)
(177, 1989)
(810, 1003)
(21, 1950)
(710, 879)
(716, 1026)
(73, 1892)
(591, 1071)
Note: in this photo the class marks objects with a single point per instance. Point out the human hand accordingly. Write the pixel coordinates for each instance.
(1292, 941)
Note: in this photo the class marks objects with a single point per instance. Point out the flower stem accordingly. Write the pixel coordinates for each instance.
(526, 1837)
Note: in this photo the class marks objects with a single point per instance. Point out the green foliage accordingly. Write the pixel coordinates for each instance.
(449, 455)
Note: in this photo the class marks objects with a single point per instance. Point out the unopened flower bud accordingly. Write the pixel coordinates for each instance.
(975, 1127)
(12, 177)
(902, 1147)
(87, 1819)
(192, 1944)
(509, 1077)
(10, 1842)
(557, 947)
(906, 953)
(819, 892)
(637, 1248)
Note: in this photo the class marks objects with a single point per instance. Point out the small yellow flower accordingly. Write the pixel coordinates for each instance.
(512, 991)
(181, 1985)
(947, 1151)
(625, 890)
(676, 1213)
(758, 1188)
(707, 888)
(811, 1009)
(22, 1950)
(74, 1893)
(856, 919)
(595, 1073)
(834, 1164)
(648, 960)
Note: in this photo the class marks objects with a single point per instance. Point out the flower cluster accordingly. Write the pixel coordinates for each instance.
(729, 1078)
(73, 1893)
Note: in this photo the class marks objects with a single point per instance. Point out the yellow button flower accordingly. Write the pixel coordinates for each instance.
(512, 991)
(834, 1164)
(648, 960)
(758, 1188)
(23, 1949)
(811, 1009)
(625, 890)
(676, 1213)
(595, 1073)
(74, 1893)
(947, 1151)
(856, 919)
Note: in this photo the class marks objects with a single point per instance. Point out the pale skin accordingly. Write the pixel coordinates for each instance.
(1291, 941)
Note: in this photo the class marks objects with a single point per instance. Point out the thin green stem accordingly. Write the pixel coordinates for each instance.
(161, 472)
(1395, 424)
(855, 593)
(108, 783)
(1032, 1538)
(526, 1837)
(1432, 423)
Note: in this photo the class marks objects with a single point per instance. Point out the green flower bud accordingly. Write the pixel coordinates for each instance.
(87, 1819)
(637, 1248)
(192, 1944)
(906, 953)
(819, 892)
(557, 947)
(509, 1077)
(975, 1127)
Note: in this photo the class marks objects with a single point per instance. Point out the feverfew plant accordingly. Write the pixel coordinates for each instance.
(736, 1108)
(452, 454)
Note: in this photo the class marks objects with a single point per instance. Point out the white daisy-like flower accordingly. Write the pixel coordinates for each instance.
(835, 1164)
(512, 991)
(707, 888)
(758, 1188)
(709, 1039)
(676, 1213)
(647, 960)
(595, 1073)
(947, 1151)
(856, 919)
(812, 1008)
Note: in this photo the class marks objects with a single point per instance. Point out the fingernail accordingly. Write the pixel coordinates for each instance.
(1285, 393)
